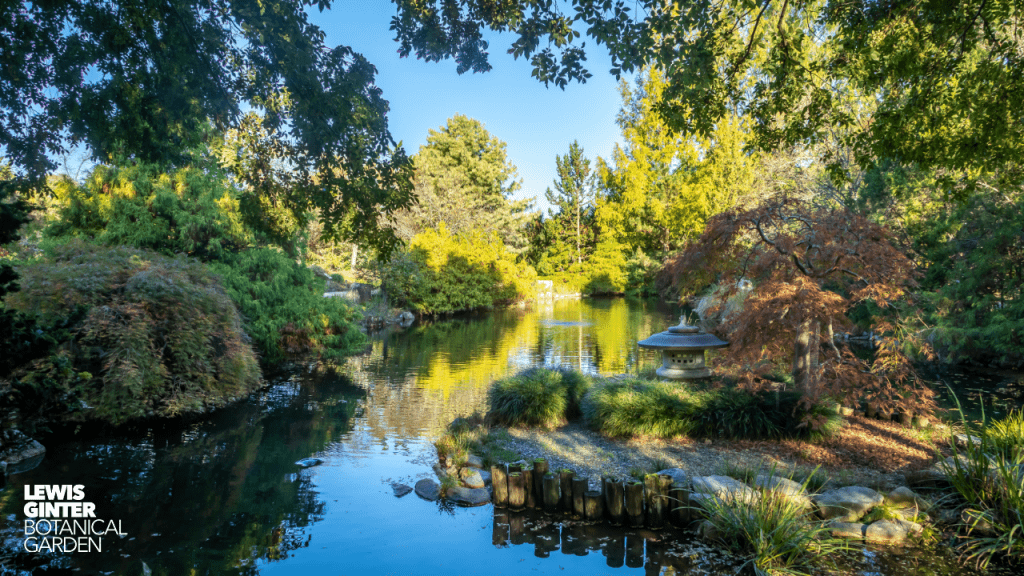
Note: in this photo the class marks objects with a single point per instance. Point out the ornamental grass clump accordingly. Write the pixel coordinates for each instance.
(989, 477)
(535, 397)
(772, 532)
(636, 407)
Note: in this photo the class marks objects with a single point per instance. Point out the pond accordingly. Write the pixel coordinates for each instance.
(223, 495)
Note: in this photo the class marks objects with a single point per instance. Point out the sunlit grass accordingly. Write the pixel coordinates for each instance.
(538, 397)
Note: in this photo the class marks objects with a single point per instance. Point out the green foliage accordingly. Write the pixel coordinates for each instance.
(150, 335)
(771, 532)
(636, 407)
(284, 307)
(573, 200)
(187, 211)
(444, 272)
(989, 477)
(537, 397)
(465, 180)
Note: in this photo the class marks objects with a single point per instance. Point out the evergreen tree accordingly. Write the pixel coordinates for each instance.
(573, 197)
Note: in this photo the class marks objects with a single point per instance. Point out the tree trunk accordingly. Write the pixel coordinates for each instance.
(355, 250)
(805, 357)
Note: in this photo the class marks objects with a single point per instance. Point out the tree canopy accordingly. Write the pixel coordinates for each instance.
(935, 83)
(145, 80)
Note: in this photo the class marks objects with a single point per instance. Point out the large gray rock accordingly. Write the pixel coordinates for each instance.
(443, 472)
(930, 478)
(20, 452)
(906, 497)
(890, 531)
(486, 476)
(679, 476)
(469, 496)
(428, 489)
(848, 504)
(401, 489)
(847, 530)
(471, 478)
(784, 488)
(474, 461)
(723, 488)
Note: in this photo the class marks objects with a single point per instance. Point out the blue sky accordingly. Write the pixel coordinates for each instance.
(536, 122)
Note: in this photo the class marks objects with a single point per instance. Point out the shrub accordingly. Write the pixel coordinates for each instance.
(638, 407)
(771, 532)
(146, 334)
(285, 309)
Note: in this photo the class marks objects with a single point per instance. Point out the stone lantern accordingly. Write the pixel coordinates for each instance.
(682, 348)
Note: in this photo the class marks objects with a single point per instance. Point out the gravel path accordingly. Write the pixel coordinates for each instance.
(587, 453)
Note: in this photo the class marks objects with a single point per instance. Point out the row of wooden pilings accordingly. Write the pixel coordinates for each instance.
(653, 503)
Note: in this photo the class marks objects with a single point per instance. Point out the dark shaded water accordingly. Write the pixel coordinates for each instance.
(224, 495)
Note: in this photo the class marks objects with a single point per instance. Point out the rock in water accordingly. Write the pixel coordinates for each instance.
(469, 496)
(847, 530)
(471, 478)
(890, 531)
(309, 462)
(428, 489)
(401, 489)
(848, 504)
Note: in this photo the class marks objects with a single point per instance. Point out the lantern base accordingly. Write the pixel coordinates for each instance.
(682, 373)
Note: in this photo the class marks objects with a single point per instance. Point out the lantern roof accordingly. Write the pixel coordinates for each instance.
(682, 337)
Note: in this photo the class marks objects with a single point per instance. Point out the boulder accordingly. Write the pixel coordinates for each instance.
(443, 472)
(428, 489)
(405, 319)
(486, 476)
(890, 531)
(964, 440)
(475, 461)
(401, 489)
(679, 476)
(471, 478)
(469, 496)
(930, 478)
(904, 496)
(723, 488)
(784, 488)
(848, 504)
(309, 462)
(847, 530)
(20, 452)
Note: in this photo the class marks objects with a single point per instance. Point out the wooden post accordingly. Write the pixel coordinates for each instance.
(616, 548)
(517, 528)
(594, 504)
(516, 492)
(499, 481)
(565, 488)
(499, 530)
(635, 503)
(678, 505)
(528, 475)
(515, 468)
(579, 492)
(613, 501)
(655, 504)
(550, 493)
(540, 468)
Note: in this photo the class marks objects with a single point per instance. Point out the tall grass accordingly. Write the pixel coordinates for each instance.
(772, 533)
(635, 407)
(538, 397)
(989, 477)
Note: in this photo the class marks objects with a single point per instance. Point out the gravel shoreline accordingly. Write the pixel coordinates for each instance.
(589, 454)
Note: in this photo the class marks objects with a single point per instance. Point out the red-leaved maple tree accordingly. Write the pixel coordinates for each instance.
(809, 265)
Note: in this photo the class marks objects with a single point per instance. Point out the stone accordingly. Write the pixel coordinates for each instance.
(907, 497)
(890, 531)
(929, 478)
(909, 513)
(401, 490)
(309, 462)
(724, 488)
(847, 530)
(20, 452)
(848, 504)
(405, 319)
(964, 440)
(474, 461)
(428, 489)
(471, 478)
(443, 472)
(679, 476)
(486, 476)
(469, 496)
(945, 516)
(708, 531)
(784, 488)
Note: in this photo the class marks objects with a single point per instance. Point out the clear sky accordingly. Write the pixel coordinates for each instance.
(536, 122)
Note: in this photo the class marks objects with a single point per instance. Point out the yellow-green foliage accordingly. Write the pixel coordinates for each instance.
(444, 272)
(149, 335)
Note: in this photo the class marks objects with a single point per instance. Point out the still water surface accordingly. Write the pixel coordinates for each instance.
(223, 495)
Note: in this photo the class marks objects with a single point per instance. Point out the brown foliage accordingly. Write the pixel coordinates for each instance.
(809, 266)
